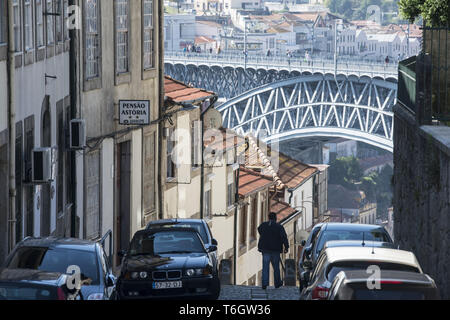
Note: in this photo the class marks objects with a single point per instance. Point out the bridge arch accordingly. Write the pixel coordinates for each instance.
(352, 107)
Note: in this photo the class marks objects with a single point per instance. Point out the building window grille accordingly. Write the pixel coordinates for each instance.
(28, 25)
(92, 39)
(122, 8)
(148, 35)
(39, 24)
(50, 23)
(17, 26)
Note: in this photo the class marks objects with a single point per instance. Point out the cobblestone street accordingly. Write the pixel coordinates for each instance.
(229, 292)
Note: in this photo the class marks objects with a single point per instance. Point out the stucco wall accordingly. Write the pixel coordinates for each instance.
(3, 95)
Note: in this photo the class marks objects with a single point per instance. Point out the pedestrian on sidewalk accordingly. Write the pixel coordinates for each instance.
(272, 239)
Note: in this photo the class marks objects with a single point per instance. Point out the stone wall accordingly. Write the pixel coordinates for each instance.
(422, 195)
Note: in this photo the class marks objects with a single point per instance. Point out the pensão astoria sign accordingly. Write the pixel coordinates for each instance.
(134, 112)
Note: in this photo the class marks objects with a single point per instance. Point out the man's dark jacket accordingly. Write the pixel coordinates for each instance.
(272, 237)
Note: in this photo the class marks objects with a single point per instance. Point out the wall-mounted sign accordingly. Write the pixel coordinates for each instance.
(134, 112)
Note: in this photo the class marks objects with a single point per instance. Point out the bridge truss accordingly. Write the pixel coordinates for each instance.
(316, 105)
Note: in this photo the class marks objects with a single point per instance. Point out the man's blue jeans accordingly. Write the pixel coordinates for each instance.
(274, 258)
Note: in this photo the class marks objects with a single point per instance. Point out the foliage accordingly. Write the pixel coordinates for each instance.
(434, 12)
(345, 171)
(357, 9)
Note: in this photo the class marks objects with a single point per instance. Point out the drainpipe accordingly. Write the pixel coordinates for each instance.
(12, 128)
(161, 104)
(73, 115)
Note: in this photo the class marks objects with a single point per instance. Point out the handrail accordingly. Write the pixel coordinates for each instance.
(324, 65)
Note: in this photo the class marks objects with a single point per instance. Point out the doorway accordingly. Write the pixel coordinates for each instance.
(46, 188)
(3, 202)
(124, 196)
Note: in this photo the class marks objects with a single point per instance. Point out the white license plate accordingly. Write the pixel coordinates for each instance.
(167, 285)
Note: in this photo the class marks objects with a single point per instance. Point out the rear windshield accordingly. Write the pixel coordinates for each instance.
(27, 292)
(197, 226)
(374, 235)
(334, 269)
(366, 294)
(56, 260)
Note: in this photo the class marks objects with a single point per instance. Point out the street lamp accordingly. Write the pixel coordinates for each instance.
(341, 27)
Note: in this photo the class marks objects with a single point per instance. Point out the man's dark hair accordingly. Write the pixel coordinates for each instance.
(272, 216)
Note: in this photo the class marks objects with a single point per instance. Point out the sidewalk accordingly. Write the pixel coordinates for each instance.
(229, 292)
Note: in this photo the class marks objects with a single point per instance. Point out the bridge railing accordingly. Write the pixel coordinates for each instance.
(291, 63)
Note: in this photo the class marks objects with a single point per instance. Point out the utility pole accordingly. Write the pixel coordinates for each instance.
(335, 48)
(11, 128)
(245, 44)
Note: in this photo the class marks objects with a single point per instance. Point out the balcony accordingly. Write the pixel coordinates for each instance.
(424, 80)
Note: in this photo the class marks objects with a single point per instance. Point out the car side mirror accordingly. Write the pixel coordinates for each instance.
(110, 281)
(121, 253)
(303, 243)
(305, 277)
(307, 264)
(214, 242)
(212, 248)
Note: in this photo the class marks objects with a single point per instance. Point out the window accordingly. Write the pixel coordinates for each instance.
(66, 18)
(59, 20)
(39, 24)
(196, 144)
(253, 218)
(3, 26)
(122, 7)
(170, 162)
(50, 23)
(17, 26)
(148, 48)
(207, 201)
(92, 39)
(243, 226)
(28, 25)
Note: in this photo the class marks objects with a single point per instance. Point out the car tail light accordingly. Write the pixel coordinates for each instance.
(61, 294)
(320, 293)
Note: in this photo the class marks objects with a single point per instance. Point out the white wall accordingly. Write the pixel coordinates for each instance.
(3, 97)
(107, 184)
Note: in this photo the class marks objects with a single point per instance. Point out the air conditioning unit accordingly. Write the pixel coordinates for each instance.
(41, 166)
(77, 134)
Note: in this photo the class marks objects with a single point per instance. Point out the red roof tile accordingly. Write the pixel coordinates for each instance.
(282, 209)
(251, 181)
(179, 92)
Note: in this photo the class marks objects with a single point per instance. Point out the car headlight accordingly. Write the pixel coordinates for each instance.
(143, 274)
(190, 272)
(134, 275)
(95, 296)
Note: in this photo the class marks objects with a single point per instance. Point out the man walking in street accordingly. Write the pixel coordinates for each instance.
(272, 239)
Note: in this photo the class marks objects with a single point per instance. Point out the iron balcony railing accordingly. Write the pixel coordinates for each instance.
(346, 66)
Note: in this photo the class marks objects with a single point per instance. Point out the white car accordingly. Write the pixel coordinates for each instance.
(333, 260)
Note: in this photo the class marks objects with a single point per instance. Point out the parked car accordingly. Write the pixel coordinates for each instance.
(333, 260)
(347, 231)
(57, 254)
(27, 284)
(168, 262)
(393, 285)
(199, 225)
(305, 254)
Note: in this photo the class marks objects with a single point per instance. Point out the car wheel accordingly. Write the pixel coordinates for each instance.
(215, 289)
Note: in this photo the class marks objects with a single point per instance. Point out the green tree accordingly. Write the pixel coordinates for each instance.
(434, 12)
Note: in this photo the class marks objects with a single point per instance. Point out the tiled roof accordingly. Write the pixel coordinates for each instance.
(203, 39)
(251, 181)
(228, 141)
(293, 172)
(282, 209)
(376, 161)
(180, 92)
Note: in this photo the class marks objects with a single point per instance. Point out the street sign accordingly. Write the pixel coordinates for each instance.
(134, 112)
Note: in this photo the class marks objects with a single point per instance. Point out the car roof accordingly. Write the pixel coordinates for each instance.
(388, 275)
(162, 229)
(357, 243)
(30, 276)
(173, 221)
(351, 226)
(388, 255)
(54, 242)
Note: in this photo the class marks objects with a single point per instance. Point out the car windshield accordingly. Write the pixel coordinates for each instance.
(166, 242)
(27, 292)
(56, 260)
(197, 226)
(332, 235)
(366, 294)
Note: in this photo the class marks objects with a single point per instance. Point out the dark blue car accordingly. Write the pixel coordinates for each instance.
(58, 254)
